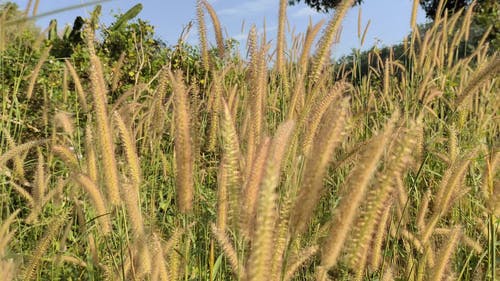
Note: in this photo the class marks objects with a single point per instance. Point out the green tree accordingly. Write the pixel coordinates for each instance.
(135, 45)
(487, 13)
(24, 32)
(322, 5)
(431, 6)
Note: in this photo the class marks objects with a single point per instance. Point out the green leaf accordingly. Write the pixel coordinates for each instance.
(53, 30)
(130, 14)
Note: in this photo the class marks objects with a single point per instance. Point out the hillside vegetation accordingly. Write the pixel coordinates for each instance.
(124, 159)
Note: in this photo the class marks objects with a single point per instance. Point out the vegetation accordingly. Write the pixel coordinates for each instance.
(487, 13)
(431, 7)
(322, 5)
(124, 159)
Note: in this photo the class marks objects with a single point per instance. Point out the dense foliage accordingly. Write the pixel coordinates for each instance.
(322, 5)
(487, 13)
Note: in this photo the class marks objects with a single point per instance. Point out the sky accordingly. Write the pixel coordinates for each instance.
(390, 19)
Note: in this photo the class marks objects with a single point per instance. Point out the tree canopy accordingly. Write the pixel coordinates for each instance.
(486, 12)
(322, 5)
(430, 6)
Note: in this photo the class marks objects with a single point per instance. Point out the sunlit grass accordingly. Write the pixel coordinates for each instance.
(219, 168)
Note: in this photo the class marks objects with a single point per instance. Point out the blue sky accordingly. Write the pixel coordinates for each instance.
(390, 19)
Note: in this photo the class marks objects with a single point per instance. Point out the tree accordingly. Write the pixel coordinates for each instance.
(15, 32)
(431, 6)
(322, 5)
(486, 13)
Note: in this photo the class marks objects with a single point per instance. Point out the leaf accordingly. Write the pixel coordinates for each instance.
(130, 14)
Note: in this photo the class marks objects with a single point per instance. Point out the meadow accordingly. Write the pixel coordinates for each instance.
(283, 165)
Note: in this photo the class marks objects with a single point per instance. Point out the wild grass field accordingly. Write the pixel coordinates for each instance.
(126, 162)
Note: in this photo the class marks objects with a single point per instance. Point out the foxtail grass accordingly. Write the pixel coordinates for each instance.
(98, 201)
(104, 136)
(327, 39)
(78, 86)
(252, 187)
(179, 177)
(183, 145)
(36, 71)
(31, 269)
(483, 74)
(221, 48)
(327, 139)
(231, 162)
(130, 150)
(312, 32)
(438, 271)
(355, 188)
(202, 33)
(261, 254)
(230, 252)
(280, 48)
(376, 200)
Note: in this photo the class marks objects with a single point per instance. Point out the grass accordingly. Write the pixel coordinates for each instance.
(271, 169)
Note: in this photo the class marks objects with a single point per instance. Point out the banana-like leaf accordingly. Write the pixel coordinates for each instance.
(67, 32)
(130, 14)
(53, 30)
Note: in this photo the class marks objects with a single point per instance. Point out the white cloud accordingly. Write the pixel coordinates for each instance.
(248, 7)
(304, 12)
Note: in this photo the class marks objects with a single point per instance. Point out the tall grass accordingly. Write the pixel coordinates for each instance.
(302, 171)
